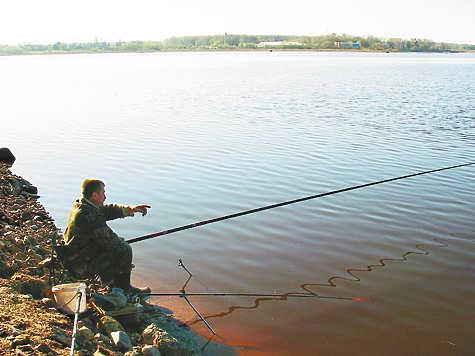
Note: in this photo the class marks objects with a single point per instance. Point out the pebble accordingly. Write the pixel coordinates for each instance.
(15, 332)
(26, 348)
(20, 340)
(102, 338)
(44, 348)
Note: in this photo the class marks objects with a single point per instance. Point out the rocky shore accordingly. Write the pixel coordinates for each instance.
(30, 323)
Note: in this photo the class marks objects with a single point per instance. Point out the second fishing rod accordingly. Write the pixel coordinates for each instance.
(277, 205)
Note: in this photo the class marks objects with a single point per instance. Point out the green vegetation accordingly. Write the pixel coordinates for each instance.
(246, 42)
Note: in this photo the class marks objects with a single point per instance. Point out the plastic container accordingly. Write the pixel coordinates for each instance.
(66, 297)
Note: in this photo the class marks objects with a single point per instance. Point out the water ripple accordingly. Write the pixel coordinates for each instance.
(203, 135)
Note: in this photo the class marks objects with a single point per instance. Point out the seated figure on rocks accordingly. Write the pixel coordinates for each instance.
(93, 248)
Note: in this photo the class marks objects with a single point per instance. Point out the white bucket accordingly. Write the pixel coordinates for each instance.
(66, 297)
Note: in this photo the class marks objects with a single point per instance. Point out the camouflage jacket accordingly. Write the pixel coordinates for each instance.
(87, 233)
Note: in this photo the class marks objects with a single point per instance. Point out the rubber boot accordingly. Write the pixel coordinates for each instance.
(122, 281)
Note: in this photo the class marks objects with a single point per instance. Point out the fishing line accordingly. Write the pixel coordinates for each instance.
(254, 295)
(256, 210)
(274, 296)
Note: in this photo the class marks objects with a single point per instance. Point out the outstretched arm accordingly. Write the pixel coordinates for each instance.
(131, 210)
(140, 209)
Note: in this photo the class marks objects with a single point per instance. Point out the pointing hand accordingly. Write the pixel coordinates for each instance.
(141, 209)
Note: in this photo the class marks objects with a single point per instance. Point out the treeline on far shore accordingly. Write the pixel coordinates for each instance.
(246, 42)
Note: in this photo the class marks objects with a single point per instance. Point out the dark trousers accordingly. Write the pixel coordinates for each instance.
(109, 264)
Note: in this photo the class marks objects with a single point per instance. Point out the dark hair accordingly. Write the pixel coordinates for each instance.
(90, 186)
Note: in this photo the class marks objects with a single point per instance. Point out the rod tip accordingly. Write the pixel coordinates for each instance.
(363, 300)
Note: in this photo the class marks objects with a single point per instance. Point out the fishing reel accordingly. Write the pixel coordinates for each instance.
(133, 298)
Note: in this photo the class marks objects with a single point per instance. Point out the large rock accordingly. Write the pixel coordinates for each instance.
(84, 335)
(121, 340)
(150, 350)
(60, 336)
(25, 284)
(179, 343)
(108, 324)
(6, 156)
(44, 348)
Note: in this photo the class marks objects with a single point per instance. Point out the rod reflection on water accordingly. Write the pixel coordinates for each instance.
(369, 268)
(330, 283)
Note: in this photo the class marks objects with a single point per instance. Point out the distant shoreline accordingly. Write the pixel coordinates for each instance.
(249, 43)
(57, 52)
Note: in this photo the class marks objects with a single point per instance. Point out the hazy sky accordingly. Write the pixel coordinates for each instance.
(50, 21)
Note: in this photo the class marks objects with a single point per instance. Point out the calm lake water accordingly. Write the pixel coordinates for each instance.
(203, 135)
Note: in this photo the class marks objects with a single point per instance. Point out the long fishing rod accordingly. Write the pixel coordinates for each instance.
(274, 296)
(185, 296)
(251, 211)
(254, 295)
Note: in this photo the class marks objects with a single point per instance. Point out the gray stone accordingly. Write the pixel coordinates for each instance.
(43, 348)
(48, 302)
(150, 350)
(60, 336)
(121, 340)
(135, 338)
(15, 331)
(6, 156)
(102, 338)
(84, 335)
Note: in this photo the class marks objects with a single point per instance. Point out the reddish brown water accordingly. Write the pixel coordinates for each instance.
(404, 255)
(203, 135)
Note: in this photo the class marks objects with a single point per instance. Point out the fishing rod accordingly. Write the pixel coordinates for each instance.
(274, 296)
(183, 294)
(277, 205)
